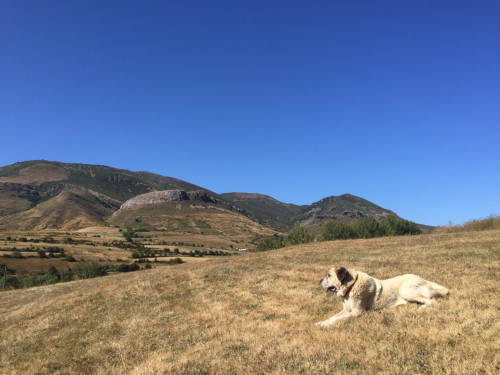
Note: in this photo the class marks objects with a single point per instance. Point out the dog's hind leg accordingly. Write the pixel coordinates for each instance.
(417, 294)
(436, 290)
(423, 301)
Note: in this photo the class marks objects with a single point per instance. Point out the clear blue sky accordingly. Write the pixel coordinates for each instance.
(395, 101)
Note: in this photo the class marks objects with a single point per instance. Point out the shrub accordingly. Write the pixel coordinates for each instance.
(148, 266)
(175, 261)
(395, 226)
(128, 267)
(298, 235)
(87, 270)
(336, 230)
(369, 227)
(11, 281)
(43, 278)
(54, 272)
(16, 254)
(128, 234)
(66, 275)
(270, 243)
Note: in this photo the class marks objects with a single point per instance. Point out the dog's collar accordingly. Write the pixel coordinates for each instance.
(346, 294)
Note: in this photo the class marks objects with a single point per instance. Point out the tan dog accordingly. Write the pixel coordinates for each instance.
(361, 292)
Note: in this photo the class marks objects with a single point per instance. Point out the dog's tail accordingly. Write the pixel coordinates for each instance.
(436, 290)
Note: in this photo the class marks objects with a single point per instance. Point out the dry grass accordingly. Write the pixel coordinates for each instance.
(255, 314)
(489, 223)
(37, 174)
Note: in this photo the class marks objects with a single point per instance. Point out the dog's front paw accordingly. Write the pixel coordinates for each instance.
(324, 323)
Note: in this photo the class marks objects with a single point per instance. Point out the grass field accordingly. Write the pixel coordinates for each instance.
(255, 314)
(98, 244)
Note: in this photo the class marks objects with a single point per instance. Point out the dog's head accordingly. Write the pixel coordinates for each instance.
(338, 280)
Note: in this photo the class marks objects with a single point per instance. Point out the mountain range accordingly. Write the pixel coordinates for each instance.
(43, 194)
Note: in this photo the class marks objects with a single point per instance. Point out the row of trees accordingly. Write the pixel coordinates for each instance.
(81, 270)
(166, 252)
(366, 227)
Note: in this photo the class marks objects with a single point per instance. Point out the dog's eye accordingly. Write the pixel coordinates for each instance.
(328, 275)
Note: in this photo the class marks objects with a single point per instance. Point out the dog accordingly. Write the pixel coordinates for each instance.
(360, 292)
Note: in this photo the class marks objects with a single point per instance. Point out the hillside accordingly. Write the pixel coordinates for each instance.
(344, 207)
(255, 314)
(49, 177)
(73, 208)
(189, 216)
(282, 216)
(265, 209)
(53, 195)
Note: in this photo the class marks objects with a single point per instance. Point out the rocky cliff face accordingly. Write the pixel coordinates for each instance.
(157, 197)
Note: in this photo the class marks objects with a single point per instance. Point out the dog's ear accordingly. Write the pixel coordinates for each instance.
(343, 275)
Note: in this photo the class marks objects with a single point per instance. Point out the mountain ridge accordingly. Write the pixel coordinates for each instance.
(24, 186)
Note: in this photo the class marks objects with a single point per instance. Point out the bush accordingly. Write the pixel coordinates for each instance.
(43, 278)
(298, 235)
(11, 281)
(147, 266)
(128, 234)
(270, 243)
(369, 227)
(87, 270)
(16, 254)
(128, 267)
(394, 226)
(175, 261)
(54, 272)
(66, 275)
(337, 230)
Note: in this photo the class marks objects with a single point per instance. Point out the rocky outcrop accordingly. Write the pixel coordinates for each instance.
(200, 195)
(156, 197)
(165, 196)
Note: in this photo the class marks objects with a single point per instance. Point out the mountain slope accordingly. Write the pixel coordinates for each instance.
(48, 177)
(41, 194)
(265, 209)
(282, 216)
(28, 191)
(73, 208)
(344, 207)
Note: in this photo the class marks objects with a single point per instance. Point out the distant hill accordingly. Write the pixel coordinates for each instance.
(73, 208)
(43, 194)
(344, 207)
(282, 216)
(50, 178)
(265, 209)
